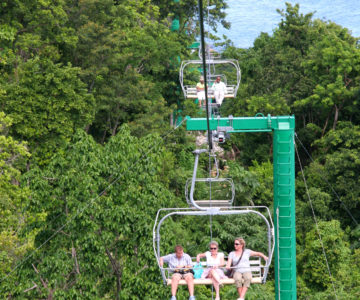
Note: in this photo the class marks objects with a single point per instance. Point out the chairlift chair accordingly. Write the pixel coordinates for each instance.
(191, 183)
(231, 89)
(259, 271)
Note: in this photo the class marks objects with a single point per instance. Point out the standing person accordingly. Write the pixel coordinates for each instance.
(219, 89)
(242, 267)
(214, 261)
(179, 261)
(200, 89)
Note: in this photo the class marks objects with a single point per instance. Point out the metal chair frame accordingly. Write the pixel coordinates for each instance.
(190, 90)
(240, 210)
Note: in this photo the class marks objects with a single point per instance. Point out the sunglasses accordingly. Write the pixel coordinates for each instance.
(236, 244)
(213, 248)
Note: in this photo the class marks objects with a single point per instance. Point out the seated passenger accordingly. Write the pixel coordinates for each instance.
(214, 261)
(240, 259)
(179, 261)
(200, 89)
(219, 89)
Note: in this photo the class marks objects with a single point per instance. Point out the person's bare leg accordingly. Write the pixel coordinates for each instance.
(239, 289)
(190, 283)
(174, 285)
(243, 292)
(216, 282)
(216, 287)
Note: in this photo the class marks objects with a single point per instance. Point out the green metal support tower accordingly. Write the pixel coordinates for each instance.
(283, 128)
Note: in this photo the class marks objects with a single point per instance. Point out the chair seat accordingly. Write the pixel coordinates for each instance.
(208, 281)
(191, 93)
(194, 96)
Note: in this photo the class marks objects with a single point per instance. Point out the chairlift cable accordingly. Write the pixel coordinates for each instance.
(207, 74)
(316, 223)
(210, 217)
(208, 30)
(329, 184)
(201, 15)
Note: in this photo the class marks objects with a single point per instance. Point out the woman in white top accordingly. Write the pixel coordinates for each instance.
(242, 267)
(200, 90)
(214, 261)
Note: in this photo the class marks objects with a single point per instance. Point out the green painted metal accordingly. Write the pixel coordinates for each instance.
(284, 211)
(194, 45)
(175, 24)
(283, 128)
(243, 124)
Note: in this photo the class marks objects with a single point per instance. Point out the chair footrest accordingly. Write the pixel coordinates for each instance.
(213, 203)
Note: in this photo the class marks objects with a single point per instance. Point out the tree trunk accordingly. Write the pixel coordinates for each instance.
(117, 271)
(336, 117)
(326, 124)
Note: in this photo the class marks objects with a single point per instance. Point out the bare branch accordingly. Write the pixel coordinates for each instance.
(142, 269)
(29, 289)
(76, 264)
(42, 280)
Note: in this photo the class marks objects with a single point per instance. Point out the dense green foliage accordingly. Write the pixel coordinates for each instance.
(88, 156)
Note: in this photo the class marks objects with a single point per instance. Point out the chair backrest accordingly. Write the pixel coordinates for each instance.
(191, 92)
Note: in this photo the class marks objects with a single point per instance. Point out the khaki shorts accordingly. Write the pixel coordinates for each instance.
(239, 277)
(181, 276)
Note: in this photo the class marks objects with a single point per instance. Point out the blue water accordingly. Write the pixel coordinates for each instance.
(249, 18)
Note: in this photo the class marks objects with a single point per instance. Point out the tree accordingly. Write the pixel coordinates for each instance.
(332, 177)
(47, 103)
(13, 203)
(125, 51)
(187, 13)
(107, 197)
(33, 28)
(312, 263)
(334, 63)
(276, 62)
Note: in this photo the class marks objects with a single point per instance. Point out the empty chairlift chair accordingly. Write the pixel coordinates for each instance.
(225, 184)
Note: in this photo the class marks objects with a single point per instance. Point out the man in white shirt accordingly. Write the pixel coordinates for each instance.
(179, 261)
(219, 89)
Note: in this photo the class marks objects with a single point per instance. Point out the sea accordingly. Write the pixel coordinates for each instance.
(249, 18)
